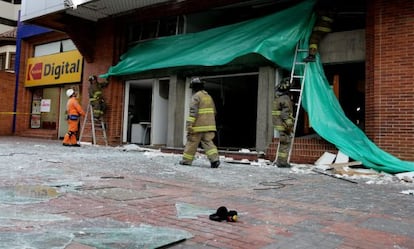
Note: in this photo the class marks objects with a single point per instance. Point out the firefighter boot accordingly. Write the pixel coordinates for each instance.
(182, 162)
(281, 164)
(215, 164)
(310, 58)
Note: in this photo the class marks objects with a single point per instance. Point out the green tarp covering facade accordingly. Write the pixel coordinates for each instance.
(274, 37)
(329, 121)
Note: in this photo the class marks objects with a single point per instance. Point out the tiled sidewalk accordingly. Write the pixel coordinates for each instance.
(277, 208)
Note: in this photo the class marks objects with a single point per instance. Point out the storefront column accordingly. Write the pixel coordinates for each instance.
(265, 93)
(176, 112)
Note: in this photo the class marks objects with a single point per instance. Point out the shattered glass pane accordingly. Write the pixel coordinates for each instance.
(119, 194)
(98, 233)
(12, 213)
(21, 194)
(50, 240)
(185, 210)
(144, 236)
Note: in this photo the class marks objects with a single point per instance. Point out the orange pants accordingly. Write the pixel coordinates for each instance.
(71, 137)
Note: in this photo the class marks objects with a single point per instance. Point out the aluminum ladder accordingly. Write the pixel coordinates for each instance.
(297, 73)
(89, 115)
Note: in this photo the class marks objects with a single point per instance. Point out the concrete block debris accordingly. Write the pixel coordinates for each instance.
(339, 164)
(406, 176)
(326, 158)
(408, 192)
(341, 158)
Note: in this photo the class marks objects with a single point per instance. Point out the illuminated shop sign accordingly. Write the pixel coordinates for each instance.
(54, 69)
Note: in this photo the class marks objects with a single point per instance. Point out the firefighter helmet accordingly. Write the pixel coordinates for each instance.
(70, 92)
(196, 83)
(284, 84)
(92, 77)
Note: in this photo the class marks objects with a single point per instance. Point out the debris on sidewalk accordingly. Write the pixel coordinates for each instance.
(231, 160)
(112, 177)
(332, 175)
(25, 194)
(325, 159)
(244, 150)
(406, 176)
(340, 165)
(134, 147)
(408, 192)
(337, 165)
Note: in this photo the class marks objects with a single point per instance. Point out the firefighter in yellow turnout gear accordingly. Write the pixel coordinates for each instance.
(283, 121)
(201, 126)
(96, 97)
(322, 27)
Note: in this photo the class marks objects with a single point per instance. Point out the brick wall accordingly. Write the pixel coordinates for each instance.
(109, 47)
(390, 76)
(305, 150)
(7, 88)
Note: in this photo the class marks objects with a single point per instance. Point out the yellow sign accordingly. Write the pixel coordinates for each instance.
(54, 69)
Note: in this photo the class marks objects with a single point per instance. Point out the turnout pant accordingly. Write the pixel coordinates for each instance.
(284, 146)
(206, 140)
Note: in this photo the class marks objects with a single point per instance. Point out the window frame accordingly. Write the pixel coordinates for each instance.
(3, 61)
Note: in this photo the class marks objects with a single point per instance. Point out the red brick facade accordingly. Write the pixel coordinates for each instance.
(7, 88)
(390, 76)
(305, 150)
(107, 51)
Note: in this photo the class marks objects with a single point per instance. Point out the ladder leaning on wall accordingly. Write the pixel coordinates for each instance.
(297, 73)
(96, 125)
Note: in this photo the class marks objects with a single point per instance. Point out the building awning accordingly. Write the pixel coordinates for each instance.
(274, 37)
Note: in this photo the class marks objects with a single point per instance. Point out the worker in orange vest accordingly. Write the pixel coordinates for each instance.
(74, 111)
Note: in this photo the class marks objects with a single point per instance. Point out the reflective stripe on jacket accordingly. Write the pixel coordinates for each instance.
(202, 113)
(282, 113)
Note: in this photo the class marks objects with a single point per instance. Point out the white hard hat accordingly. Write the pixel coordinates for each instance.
(70, 92)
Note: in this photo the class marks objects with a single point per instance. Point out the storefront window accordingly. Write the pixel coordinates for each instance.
(12, 61)
(45, 108)
(3, 61)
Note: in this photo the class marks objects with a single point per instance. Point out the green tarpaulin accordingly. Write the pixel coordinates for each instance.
(274, 37)
(329, 121)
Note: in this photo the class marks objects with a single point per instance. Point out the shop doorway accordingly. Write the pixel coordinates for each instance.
(146, 112)
(349, 82)
(235, 97)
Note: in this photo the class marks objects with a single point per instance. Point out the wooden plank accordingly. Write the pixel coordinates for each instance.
(353, 163)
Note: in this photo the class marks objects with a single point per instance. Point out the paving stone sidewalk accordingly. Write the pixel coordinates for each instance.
(97, 197)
